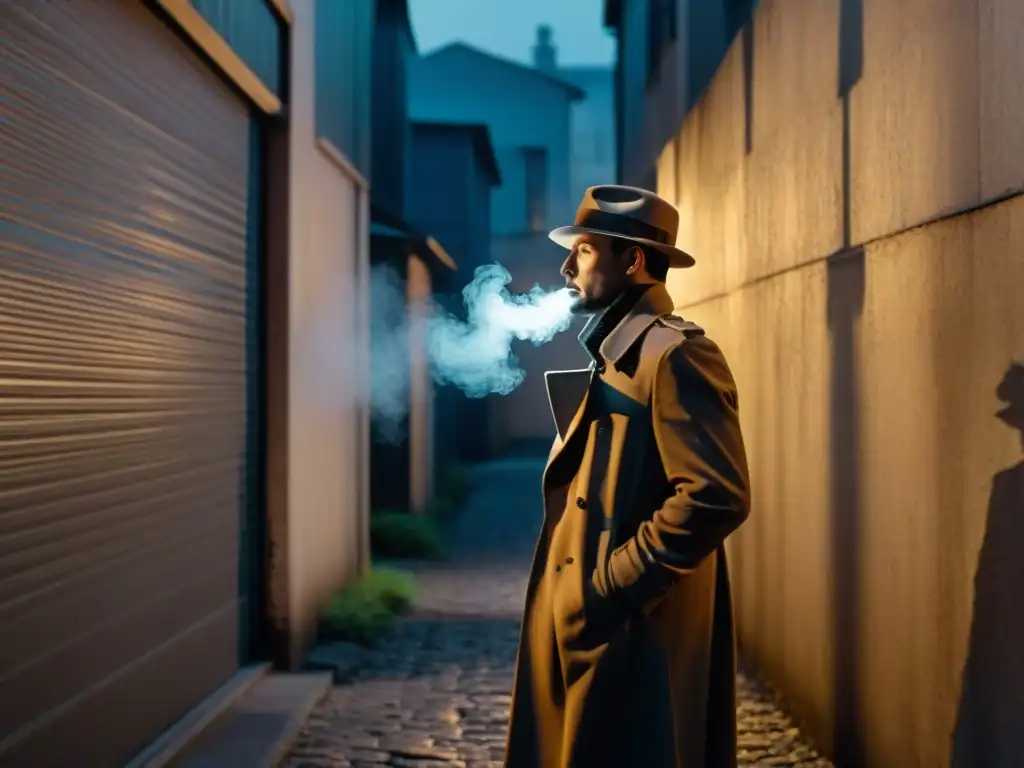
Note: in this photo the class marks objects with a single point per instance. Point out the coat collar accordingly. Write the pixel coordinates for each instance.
(655, 302)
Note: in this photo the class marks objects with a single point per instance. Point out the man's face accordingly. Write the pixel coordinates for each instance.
(595, 273)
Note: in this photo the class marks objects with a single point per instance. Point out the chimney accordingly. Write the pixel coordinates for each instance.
(545, 54)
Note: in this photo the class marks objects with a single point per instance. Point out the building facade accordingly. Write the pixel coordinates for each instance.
(184, 482)
(850, 183)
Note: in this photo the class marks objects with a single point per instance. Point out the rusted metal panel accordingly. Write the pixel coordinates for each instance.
(123, 318)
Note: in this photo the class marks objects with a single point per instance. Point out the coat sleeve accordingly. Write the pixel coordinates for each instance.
(697, 431)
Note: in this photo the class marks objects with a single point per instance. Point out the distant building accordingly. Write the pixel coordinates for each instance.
(593, 128)
(592, 120)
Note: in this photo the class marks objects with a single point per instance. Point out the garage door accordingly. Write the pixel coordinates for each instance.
(123, 380)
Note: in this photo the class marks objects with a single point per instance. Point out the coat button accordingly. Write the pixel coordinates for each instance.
(581, 502)
(568, 561)
(558, 568)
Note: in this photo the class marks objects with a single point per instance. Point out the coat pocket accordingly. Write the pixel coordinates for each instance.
(586, 621)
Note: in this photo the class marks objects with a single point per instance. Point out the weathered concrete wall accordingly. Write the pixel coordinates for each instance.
(861, 262)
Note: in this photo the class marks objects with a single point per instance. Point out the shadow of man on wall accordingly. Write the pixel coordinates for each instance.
(990, 722)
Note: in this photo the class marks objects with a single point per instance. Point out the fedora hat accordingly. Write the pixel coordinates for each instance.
(628, 213)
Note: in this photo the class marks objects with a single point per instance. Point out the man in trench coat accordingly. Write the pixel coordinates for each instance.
(627, 653)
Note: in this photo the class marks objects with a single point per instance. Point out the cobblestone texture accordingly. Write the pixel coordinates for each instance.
(436, 692)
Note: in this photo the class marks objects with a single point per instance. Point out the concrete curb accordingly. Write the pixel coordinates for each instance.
(176, 739)
(260, 729)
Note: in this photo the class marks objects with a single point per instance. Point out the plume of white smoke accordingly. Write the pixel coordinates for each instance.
(474, 354)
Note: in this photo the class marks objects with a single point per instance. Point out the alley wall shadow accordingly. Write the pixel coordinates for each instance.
(990, 718)
(846, 287)
(847, 284)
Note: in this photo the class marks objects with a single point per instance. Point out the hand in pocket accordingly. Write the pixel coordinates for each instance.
(601, 612)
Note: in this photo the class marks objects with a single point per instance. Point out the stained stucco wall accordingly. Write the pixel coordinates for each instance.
(861, 262)
(327, 504)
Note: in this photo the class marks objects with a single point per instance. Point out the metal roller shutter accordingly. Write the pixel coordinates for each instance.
(123, 379)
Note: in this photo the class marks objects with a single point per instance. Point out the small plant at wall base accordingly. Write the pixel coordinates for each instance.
(366, 610)
(455, 482)
(400, 535)
(453, 487)
(443, 511)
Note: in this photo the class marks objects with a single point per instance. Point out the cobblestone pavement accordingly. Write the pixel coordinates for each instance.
(436, 693)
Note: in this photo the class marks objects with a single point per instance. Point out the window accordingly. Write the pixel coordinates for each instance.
(661, 31)
(535, 166)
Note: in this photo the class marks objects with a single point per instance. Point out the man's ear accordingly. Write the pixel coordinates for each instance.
(636, 258)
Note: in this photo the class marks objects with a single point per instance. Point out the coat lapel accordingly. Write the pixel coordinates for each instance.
(567, 393)
(567, 396)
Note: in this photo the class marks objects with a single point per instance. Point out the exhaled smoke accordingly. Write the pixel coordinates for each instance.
(474, 354)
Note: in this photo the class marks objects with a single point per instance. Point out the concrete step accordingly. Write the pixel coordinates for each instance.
(260, 728)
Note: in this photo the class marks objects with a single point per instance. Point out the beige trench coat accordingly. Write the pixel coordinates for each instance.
(627, 653)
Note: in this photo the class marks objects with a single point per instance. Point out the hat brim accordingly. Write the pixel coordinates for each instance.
(677, 258)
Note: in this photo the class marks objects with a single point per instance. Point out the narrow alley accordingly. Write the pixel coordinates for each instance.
(275, 273)
(437, 691)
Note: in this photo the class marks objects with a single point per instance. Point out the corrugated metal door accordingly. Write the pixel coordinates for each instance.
(123, 379)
